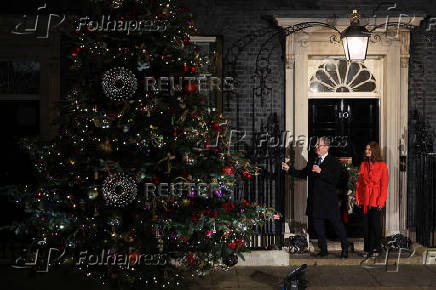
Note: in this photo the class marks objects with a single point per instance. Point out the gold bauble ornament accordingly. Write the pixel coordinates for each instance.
(128, 238)
(106, 146)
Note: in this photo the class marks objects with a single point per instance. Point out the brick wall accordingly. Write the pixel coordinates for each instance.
(422, 76)
(235, 21)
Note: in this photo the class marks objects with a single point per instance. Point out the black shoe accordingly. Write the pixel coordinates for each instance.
(375, 253)
(322, 254)
(344, 253)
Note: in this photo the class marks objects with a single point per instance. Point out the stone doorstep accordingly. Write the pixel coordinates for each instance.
(335, 246)
(353, 259)
(283, 258)
(264, 258)
(356, 258)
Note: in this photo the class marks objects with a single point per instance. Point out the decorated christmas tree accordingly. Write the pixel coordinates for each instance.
(142, 167)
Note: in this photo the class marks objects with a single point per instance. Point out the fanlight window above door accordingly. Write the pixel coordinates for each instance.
(342, 77)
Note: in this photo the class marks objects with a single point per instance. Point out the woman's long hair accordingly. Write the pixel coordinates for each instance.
(376, 154)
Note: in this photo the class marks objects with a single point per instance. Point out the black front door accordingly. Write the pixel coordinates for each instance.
(351, 124)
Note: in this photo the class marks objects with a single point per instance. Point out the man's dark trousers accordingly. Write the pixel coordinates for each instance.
(318, 224)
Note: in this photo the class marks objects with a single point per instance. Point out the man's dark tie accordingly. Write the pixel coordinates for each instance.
(318, 161)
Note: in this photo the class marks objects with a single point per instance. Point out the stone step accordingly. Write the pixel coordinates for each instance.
(264, 258)
(336, 245)
(356, 258)
(283, 258)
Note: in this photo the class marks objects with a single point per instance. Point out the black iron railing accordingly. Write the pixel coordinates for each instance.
(266, 188)
(421, 191)
(425, 214)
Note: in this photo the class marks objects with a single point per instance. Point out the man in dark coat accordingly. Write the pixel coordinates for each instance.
(324, 173)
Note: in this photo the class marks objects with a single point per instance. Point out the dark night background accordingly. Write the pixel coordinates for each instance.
(232, 21)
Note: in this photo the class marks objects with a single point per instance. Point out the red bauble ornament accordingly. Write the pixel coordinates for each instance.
(216, 126)
(190, 87)
(229, 170)
(134, 257)
(187, 40)
(228, 206)
(190, 259)
(246, 174)
(155, 179)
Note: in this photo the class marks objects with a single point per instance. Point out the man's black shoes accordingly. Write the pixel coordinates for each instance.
(345, 246)
(322, 254)
(344, 253)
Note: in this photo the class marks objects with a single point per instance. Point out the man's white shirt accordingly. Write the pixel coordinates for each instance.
(323, 157)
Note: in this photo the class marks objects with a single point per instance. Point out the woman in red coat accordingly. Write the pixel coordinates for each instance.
(371, 193)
